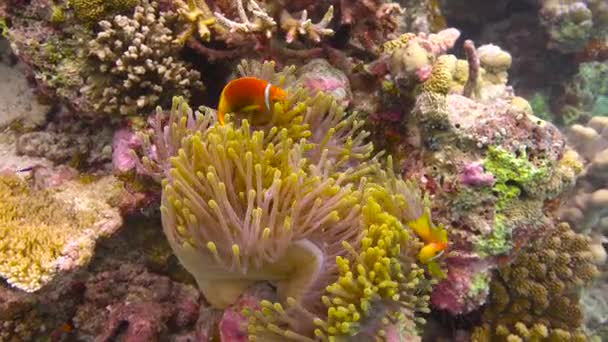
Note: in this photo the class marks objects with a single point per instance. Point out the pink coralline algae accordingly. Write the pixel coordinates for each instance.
(474, 175)
(423, 73)
(322, 84)
(319, 75)
(132, 304)
(123, 142)
(233, 324)
(465, 288)
(440, 42)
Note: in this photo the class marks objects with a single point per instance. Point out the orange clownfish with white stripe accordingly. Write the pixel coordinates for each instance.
(248, 95)
(435, 242)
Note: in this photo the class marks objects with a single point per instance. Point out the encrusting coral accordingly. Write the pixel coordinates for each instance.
(93, 10)
(44, 231)
(136, 63)
(294, 199)
(536, 298)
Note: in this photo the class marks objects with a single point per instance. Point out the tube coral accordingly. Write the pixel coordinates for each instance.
(296, 200)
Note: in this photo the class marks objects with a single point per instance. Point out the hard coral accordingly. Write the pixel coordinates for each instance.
(572, 23)
(93, 10)
(522, 164)
(197, 18)
(440, 79)
(136, 63)
(537, 296)
(586, 210)
(586, 95)
(247, 203)
(44, 232)
(569, 23)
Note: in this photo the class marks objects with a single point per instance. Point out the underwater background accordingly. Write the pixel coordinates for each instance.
(305, 170)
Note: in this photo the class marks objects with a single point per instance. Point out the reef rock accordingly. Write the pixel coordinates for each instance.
(491, 167)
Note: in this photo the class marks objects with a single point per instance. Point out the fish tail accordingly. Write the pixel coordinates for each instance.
(435, 270)
(421, 226)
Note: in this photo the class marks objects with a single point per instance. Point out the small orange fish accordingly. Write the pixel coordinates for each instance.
(435, 239)
(248, 94)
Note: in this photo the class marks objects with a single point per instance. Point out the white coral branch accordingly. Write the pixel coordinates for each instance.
(305, 26)
(263, 22)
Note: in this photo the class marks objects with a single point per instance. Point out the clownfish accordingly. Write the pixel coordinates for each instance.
(435, 242)
(249, 95)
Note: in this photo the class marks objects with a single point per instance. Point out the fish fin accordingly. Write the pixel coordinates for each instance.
(434, 270)
(439, 234)
(251, 108)
(422, 226)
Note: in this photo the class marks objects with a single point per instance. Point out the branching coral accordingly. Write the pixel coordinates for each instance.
(295, 200)
(263, 22)
(198, 18)
(536, 298)
(304, 26)
(136, 63)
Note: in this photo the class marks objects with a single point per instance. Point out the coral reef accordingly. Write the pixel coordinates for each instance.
(116, 297)
(118, 66)
(295, 225)
(490, 165)
(537, 296)
(245, 204)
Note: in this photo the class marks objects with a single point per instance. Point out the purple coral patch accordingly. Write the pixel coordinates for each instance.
(474, 175)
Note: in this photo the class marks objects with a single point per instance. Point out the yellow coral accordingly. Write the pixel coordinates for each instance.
(397, 43)
(536, 298)
(198, 18)
(93, 10)
(441, 76)
(34, 228)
